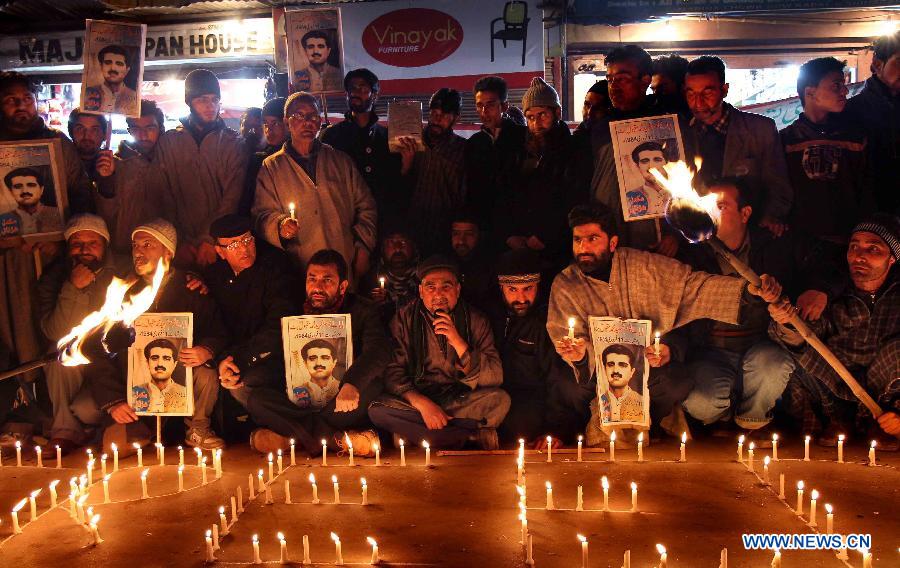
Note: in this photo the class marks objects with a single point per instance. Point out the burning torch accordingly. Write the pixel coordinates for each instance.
(695, 217)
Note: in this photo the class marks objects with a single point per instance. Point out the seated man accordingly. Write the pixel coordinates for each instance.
(336, 411)
(738, 362)
(69, 289)
(475, 259)
(254, 288)
(397, 267)
(862, 329)
(545, 397)
(107, 378)
(608, 281)
(444, 377)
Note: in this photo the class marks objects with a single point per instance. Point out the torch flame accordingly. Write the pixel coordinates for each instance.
(678, 180)
(114, 310)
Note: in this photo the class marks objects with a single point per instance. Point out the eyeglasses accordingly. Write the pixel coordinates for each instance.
(310, 117)
(243, 243)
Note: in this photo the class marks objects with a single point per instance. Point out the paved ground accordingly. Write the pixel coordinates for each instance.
(462, 513)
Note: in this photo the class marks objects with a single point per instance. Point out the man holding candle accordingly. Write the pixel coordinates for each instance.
(392, 281)
(444, 377)
(342, 409)
(335, 209)
(605, 280)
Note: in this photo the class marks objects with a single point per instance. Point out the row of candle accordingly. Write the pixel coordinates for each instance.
(579, 499)
(211, 547)
(806, 441)
(612, 448)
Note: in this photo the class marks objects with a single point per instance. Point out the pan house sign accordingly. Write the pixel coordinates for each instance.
(413, 37)
(230, 38)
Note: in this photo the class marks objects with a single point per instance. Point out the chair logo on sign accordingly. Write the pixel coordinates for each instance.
(412, 37)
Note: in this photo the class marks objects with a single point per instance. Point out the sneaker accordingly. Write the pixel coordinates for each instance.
(487, 439)
(203, 438)
(266, 441)
(363, 442)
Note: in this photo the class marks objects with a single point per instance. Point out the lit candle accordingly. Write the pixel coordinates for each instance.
(240, 499)
(53, 485)
(337, 490)
(781, 494)
(324, 452)
(233, 509)
(427, 453)
(315, 489)
(813, 497)
(280, 462)
(683, 446)
(18, 453)
(283, 545)
(523, 518)
(634, 507)
(663, 557)
(529, 558)
(867, 557)
(580, 439)
(90, 471)
(199, 453)
(37, 451)
(306, 559)
(256, 558)
(293, 455)
(799, 497)
(612, 446)
(106, 488)
(641, 447)
(58, 457)
(550, 506)
(806, 449)
(740, 450)
(374, 545)
(829, 519)
(549, 449)
(144, 475)
(293, 210)
(750, 456)
(766, 470)
(203, 471)
(579, 500)
(377, 455)
(271, 468)
(209, 548)
(180, 478)
(605, 483)
(571, 328)
(140, 454)
(94, 531)
(841, 448)
(872, 453)
(215, 531)
(381, 282)
(520, 470)
(252, 493)
(103, 464)
(776, 559)
(80, 508)
(774, 447)
(223, 522)
(402, 453)
(161, 453)
(217, 454)
(180, 456)
(656, 344)
(115, 451)
(339, 559)
(287, 491)
(584, 551)
(260, 486)
(365, 491)
(32, 500)
(626, 559)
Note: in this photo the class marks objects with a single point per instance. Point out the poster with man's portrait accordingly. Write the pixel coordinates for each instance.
(640, 146)
(33, 198)
(623, 398)
(317, 352)
(158, 383)
(113, 68)
(315, 50)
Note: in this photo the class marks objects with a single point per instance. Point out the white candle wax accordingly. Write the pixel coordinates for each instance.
(339, 559)
(223, 522)
(251, 493)
(656, 344)
(683, 446)
(293, 455)
(336, 489)
(640, 448)
(256, 558)
(215, 532)
(626, 559)
(580, 438)
(40, 461)
(260, 485)
(634, 502)
(381, 281)
(427, 453)
(524, 520)
(95, 532)
(306, 559)
(829, 519)
(740, 449)
(180, 455)
(203, 471)
(18, 453)
(584, 551)
(271, 468)
(374, 545)
(579, 500)
(840, 449)
(287, 491)
(402, 453)
(872, 453)
(781, 494)
(813, 497)
(58, 457)
(571, 328)
(209, 548)
(240, 499)
(106, 488)
(776, 559)
(180, 478)
(53, 485)
(280, 460)
(549, 449)
(605, 483)
(324, 452)
(612, 447)
(766, 470)
(90, 471)
(806, 448)
(377, 455)
(140, 454)
(867, 558)
(233, 509)
(799, 509)
(293, 210)
(32, 500)
(550, 506)
(283, 547)
(161, 451)
(365, 491)
(315, 489)
(529, 558)
(144, 474)
(750, 453)
(199, 453)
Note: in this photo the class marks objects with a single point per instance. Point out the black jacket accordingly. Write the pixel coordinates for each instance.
(488, 163)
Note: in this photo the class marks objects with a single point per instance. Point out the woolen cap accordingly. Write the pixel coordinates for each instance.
(275, 107)
(200, 82)
(887, 227)
(229, 226)
(86, 222)
(540, 94)
(521, 266)
(436, 262)
(164, 232)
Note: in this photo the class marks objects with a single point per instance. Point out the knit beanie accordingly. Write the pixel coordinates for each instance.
(86, 222)
(887, 227)
(200, 82)
(275, 107)
(540, 94)
(163, 231)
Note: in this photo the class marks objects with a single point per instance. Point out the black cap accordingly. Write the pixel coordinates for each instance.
(446, 99)
(200, 82)
(229, 226)
(436, 262)
(275, 107)
(521, 266)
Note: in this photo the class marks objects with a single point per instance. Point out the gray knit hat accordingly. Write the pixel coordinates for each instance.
(86, 222)
(540, 94)
(164, 232)
(200, 82)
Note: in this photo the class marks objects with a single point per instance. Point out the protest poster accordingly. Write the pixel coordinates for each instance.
(622, 371)
(113, 68)
(317, 352)
(404, 120)
(639, 146)
(315, 50)
(158, 384)
(33, 199)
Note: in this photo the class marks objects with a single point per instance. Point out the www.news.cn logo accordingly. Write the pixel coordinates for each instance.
(806, 541)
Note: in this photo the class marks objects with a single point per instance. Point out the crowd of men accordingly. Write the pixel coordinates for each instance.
(461, 264)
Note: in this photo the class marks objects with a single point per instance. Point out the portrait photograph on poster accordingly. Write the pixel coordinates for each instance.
(158, 384)
(315, 50)
(622, 371)
(113, 68)
(33, 200)
(640, 146)
(317, 352)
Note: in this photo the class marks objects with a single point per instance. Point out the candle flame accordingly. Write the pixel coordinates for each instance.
(255, 539)
(135, 445)
(260, 474)
(661, 549)
(604, 482)
(800, 485)
(324, 442)
(19, 505)
(54, 483)
(312, 478)
(828, 508)
(371, 541)
(335, 537)
(221, 510)
(362, 481)
(807, 438)
(684, 437)
(582, 538)
(181, 469)
(580, 437)
(571, 322)
(115, 309)
(279, 452)
(208, 533)
(37, 449)
(94, 520)
(633, 486)
(641, 437)
(334, 479)
(873, 444)
(281, 536)
(106, 477)
(145, 473)
(18, 444)
(774, 437)
(35, 493)
(752, 446)
(549, 486)
(270, 456)
(520, 490)
(612, 437)
(814, 495)
(841, 438)
(766, 461)
(292, 441)
(425, 444)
